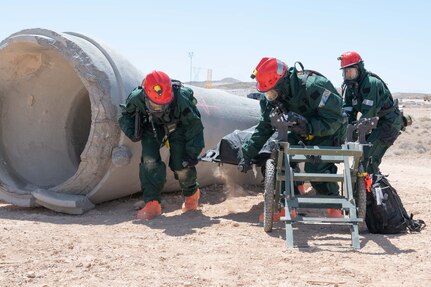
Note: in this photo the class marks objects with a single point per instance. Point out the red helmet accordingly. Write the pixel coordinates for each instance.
(349, 59)
(268, 72)
(158, 87)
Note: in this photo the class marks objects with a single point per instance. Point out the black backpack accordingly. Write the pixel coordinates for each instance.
(385, 212)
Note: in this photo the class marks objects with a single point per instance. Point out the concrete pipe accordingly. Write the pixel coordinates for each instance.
(60, 144)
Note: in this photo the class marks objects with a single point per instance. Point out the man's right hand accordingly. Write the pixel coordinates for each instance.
(244, 165)
(189, 162)
(301, 127)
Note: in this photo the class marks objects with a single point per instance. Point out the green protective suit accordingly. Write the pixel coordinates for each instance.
(180, 125)
(314, 97)
(370, 96)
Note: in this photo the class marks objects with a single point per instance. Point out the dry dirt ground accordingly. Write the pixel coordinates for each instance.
(222, 244)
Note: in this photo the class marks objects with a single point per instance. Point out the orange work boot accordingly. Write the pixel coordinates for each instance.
(150, 210)
(335, 213)
(277, 215)
(191, 202)
(301, 189)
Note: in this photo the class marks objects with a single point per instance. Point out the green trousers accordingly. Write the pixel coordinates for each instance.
(373, 156)
(323, 188)
(152, 170)
(381, 139)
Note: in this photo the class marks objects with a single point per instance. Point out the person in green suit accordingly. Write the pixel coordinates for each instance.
(366, 94)
(163, 112)
(307, 98)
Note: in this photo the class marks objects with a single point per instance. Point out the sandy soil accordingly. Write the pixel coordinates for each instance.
(222, 244)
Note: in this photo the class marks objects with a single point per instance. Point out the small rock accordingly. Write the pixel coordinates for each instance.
(31, 274)
(138, 205)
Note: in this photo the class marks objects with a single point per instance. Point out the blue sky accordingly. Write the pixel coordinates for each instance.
(230, 37)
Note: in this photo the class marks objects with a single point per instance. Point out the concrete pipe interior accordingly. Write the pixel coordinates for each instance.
(45, 117)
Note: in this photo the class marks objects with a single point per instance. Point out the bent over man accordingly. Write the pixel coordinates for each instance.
(312, 102)
(365, 93)
(163, 112)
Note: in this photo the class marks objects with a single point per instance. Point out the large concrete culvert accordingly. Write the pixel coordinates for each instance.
(60, 144)
(42, 136)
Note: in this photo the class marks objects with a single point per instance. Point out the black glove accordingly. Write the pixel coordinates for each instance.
(301, 124)
(314, 159)
(189, 162)
(244, 165)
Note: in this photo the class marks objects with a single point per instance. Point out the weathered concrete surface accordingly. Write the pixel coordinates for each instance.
(60, 144)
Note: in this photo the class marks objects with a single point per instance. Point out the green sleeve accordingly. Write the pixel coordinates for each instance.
(262, 132)
(348, 105)
(328, 117)
(129, 111)
(192, 124)
(374, 95)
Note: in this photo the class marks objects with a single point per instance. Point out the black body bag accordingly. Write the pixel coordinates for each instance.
(229, 150)
(385, 212)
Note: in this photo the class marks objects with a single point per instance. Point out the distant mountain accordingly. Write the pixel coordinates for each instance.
(233, 84)
(229, 81)
(412, 96)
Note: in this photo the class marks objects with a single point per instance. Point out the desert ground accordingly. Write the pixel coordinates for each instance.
(222, 243)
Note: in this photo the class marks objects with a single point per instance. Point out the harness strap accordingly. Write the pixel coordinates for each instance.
(392, 108)
(416, 225)
(307, 73)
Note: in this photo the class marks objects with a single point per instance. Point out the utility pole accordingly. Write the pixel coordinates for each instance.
(209, 82)
(191, 66)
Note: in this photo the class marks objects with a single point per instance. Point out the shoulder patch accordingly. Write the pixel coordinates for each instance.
(315, 95)
(324, 98)
(366, 90)
(368, 102)
(186, 111)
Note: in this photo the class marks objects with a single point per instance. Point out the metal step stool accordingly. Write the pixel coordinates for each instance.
(346, 201)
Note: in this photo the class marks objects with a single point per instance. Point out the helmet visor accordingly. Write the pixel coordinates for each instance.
(350, 73)
(153, 107)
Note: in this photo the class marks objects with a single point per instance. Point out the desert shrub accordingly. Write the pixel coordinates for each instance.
(404, 146)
